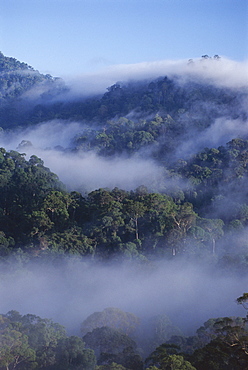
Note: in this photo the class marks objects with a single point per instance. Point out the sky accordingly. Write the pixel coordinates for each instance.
(73, 37)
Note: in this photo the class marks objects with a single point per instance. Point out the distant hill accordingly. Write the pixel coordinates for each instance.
(17, 78)
(28, 97)
(21, 88)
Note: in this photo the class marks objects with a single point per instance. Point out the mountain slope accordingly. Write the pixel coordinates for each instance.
(28, 97)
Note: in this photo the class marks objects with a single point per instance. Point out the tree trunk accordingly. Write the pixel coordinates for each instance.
(213, 246)
(136, 229)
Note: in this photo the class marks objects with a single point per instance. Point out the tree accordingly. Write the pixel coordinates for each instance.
(176, 362)
(128, 358)
(160, 208)
(71, 354)
(113, 318)
(243, 300)
(108, 340)
(156, 331)
(5, 244)
(71, 241)
(15, 351)
(112, 366)
(219, 355)
(30, 342)
(56, 206)
(183, 220)
(165, 357)
(135, 210)
(214, 228)
(226, 348)
(42, 335)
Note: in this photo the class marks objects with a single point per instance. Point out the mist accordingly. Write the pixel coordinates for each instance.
(87, 172)
(222, 72)
(82, 171)
(69, 292)
(223, 130)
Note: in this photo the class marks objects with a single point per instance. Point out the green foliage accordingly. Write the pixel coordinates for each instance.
(15, 350)
(220, 344)
(113, 318)
(20, 83)
(30, 342)
(112, 366)
(111, 345)
(174, 101)
(71, 354)
(42, 335)
(37, 212)
(244, 301)
(221, 354)
(176, 362)
(159, 329)
(165, 357)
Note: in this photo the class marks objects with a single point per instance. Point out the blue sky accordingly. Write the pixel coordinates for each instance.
(70, 37)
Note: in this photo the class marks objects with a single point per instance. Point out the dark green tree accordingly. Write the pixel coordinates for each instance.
(113, 318)
(71, 354)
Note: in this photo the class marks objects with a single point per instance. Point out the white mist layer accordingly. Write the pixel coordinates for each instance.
(222, 72)
(42, 136)
(219, 133)
(189, 295)
(86, 171)
(82, 171)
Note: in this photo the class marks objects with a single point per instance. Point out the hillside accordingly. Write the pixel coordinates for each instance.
(44, 98)
(195, 200)
(21, 88)
(134, 198)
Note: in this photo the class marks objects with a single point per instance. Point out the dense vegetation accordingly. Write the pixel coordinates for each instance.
(40, 217)
(119, 340)
(21, 89)
(28, 98)
(198, 211)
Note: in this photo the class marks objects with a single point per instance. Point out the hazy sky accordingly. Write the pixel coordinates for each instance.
(64, 37)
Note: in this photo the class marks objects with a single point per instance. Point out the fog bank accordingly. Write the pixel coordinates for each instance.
(83, 171)
(222, 72)
(67, 293)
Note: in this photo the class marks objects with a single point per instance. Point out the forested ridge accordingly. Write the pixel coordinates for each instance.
(196, 212)
(40, 217)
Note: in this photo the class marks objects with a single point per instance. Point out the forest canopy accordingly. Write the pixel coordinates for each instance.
(186, 218)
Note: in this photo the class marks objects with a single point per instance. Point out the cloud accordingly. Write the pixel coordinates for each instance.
(223, 72)
(87, 171)
(219, 133)
(69, 292)
(83, 171)
(43, 136)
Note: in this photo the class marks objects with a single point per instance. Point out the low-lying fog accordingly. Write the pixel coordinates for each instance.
(87, 171)
(188, 293)
(222, 72)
